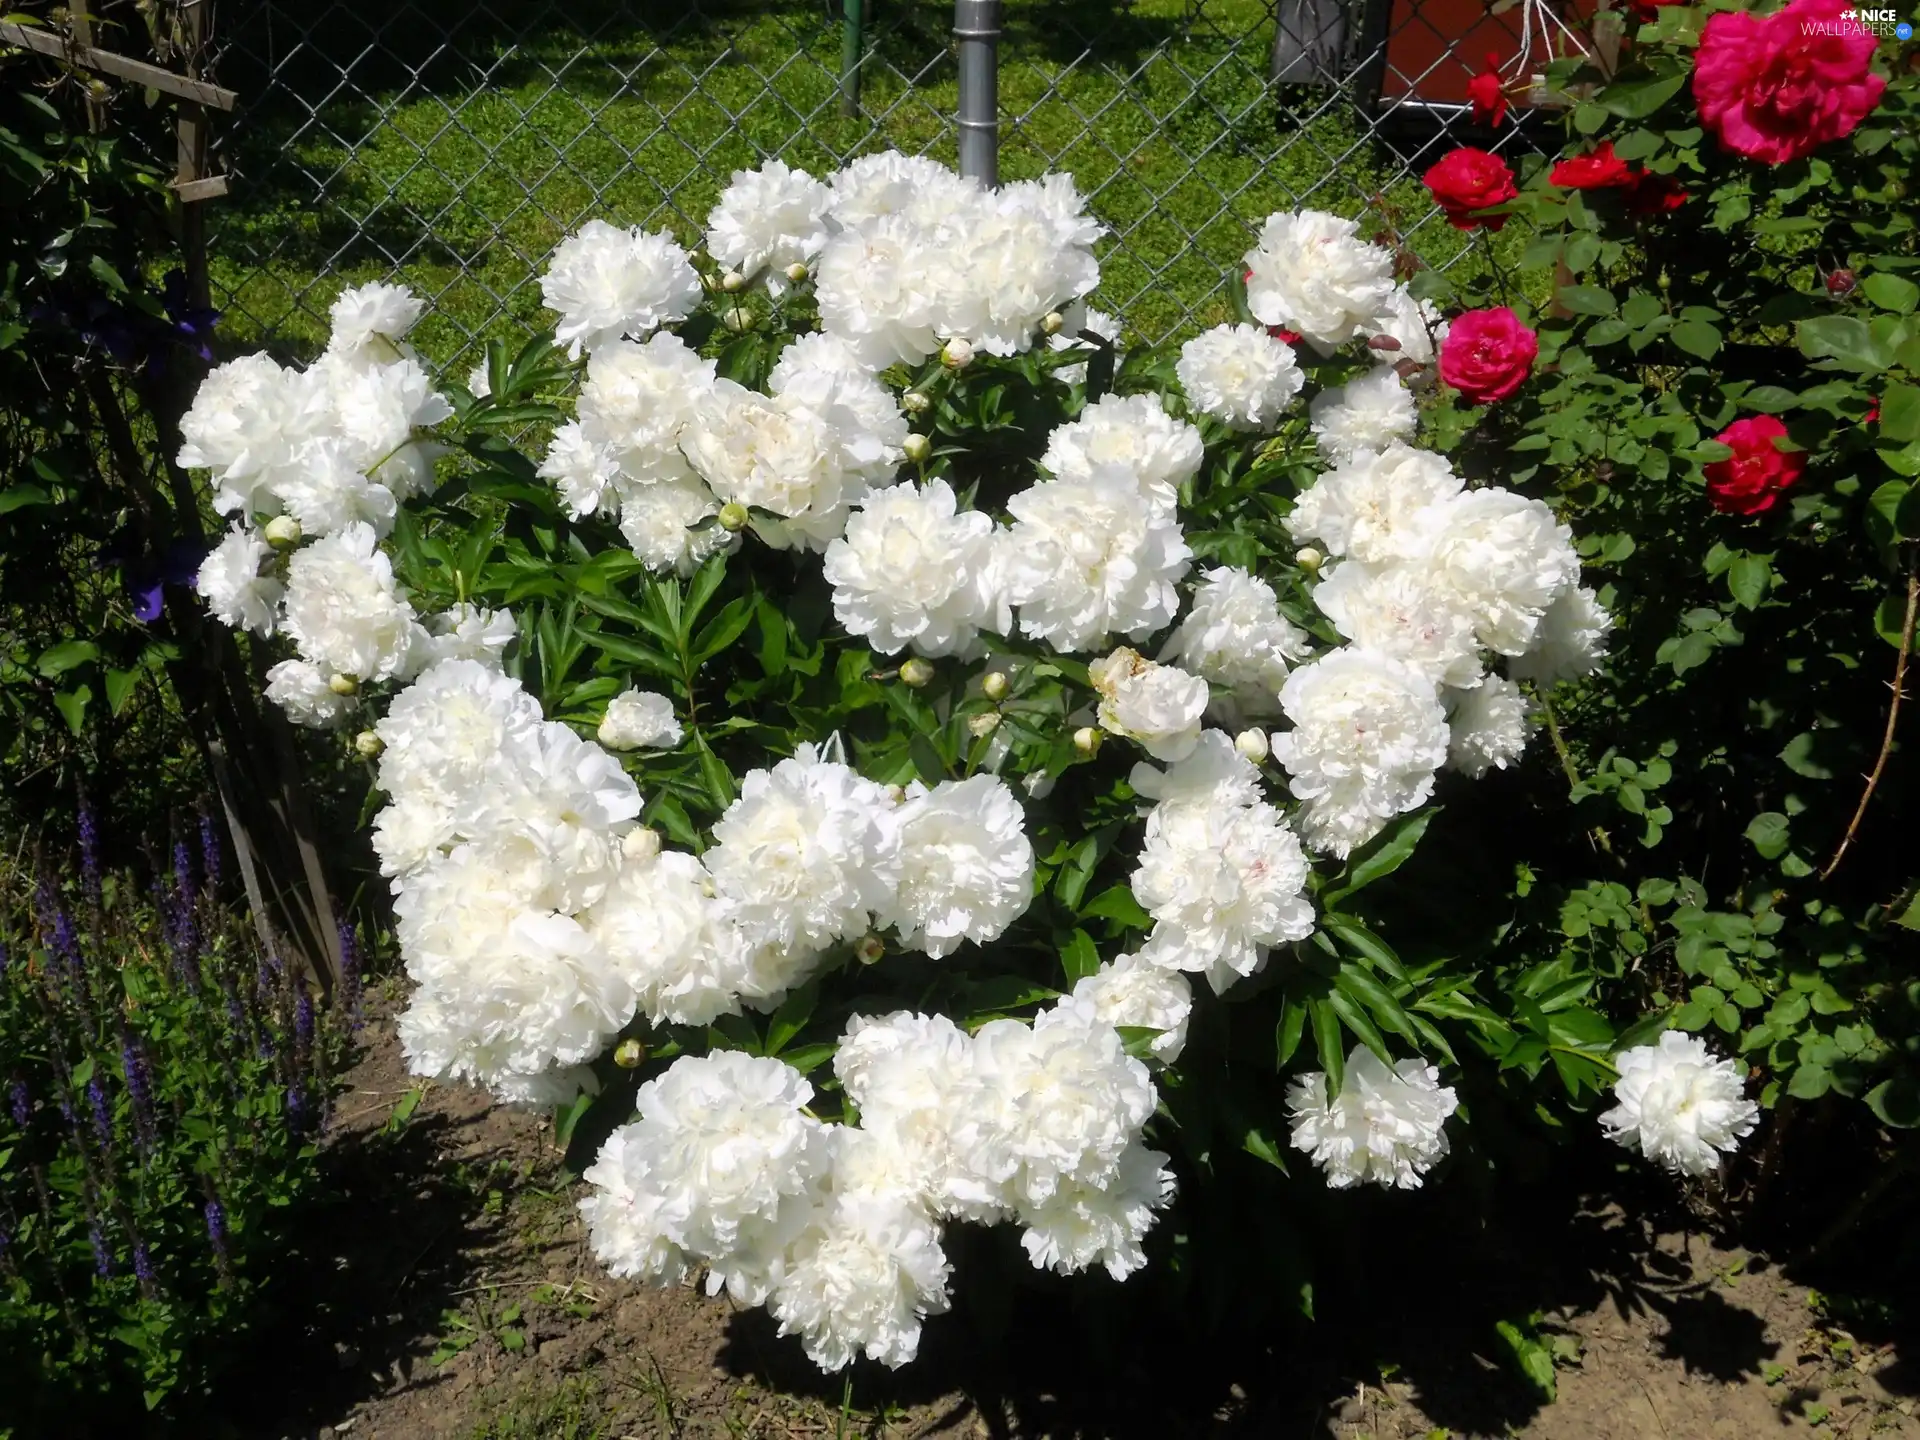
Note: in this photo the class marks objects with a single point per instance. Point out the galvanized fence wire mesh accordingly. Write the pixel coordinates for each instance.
(451, 145)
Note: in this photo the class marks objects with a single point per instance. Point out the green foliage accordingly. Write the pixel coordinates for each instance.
(164, 1087)
(1715, 769)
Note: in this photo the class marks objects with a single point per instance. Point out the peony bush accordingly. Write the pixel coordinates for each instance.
(823, 764)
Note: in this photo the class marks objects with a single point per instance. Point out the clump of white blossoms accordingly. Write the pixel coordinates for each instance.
(1678, 1105)
(1239, 374)
(553, 919)
(1386, 1126)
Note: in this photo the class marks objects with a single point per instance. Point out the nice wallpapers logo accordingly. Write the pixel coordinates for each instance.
(1878, 22)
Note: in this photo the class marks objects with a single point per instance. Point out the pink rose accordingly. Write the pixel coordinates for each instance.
(1488, 355)
(1777, 87)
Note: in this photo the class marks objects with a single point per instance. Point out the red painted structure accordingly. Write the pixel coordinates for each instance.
(1435, 46)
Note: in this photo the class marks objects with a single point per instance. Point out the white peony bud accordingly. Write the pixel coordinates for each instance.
(869, 949)
(629, 1054)
(1309, 559)
(640, 843)
(796, 272)
(1252, 744)
(916, 673)
(1053, 323)
(734, 516)
(956, 354)
(981, 726)
(1087, 740)
(897, 794)
(283, 532)
(368, 745)
(918, 448)
(733, 282)
(995, 685)
(915, 402)
(738, 321)
(344, 685)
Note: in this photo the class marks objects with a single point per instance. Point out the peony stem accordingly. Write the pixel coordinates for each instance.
(1893, 719)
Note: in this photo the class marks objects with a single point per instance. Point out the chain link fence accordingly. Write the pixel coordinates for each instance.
(452, 144)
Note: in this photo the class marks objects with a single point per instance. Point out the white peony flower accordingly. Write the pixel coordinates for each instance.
(1131, 990)
(912, 1078)
(1386, 1126)
(670, 524)
(1235, 637)
(1502, 558)
(1157, 705)
(233, 587)
(1224, 884)
(443, 737)
(966, 865)
(1394, 610)
(913, 570)
(1215, 774)
(1058, 1104)
(247, 424)
(775, 455)
(370, 322)
(544, 1089)
(892, 184)
(720, 1166)
(606, 282)
(1369, 412)
(1376, 508)
(636, 401)
(1368, 735)
(468, 632)
(879, 288)
(1570, 641)
(1312, 273)
(1416, 324)
(808, 852)
(1239, 374)
(1130, 438)
(768, 219)
(1488, 723)
(581, 470)
(673, 941)
(300, 688)
(861, 1277)
(639, 720)
(1678, 1105)
(825, 374)
(1028, 251)
(1092, 558)
(1084, 1225)
(344, 610)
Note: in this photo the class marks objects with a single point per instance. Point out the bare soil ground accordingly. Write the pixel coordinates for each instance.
(449, 1295)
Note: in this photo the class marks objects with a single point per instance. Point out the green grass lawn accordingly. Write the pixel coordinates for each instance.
(457, 161)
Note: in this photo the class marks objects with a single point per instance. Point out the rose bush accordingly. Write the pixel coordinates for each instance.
(1725, 407)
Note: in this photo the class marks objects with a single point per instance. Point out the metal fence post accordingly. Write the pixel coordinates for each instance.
(976, 26)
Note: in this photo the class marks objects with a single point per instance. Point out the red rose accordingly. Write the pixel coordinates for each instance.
(1284, 335)
(1487, 94)
(1651, 194)
(1751, 479)
(1598, 169)
(1872, 417)
(1468, 180)
(1488, 354)
(1777, 87)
